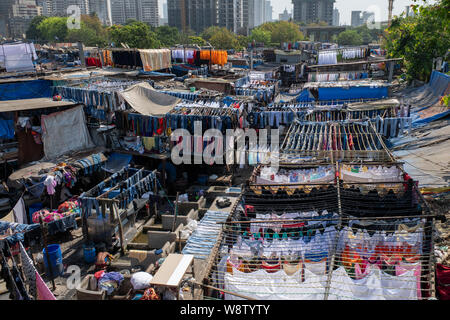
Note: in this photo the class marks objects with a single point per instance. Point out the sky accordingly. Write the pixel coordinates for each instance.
(380, 7)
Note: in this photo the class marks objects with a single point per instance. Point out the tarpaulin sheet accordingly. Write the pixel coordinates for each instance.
(345, 93)
(353, 93)
(429, 94)
(64, 132)
(147, 101)
(373, 105)
(25, 90)
(18, 57)
(439, 82)
(304, 96)
(6, 129)
(432, 118)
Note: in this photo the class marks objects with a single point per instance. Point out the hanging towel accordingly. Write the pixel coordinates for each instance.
(29, 271)
(149, 143)
(20, 214)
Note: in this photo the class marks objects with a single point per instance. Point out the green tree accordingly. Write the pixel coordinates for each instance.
(53, 28)
(349, 38)
(86, 35)
(368, 35)
(223, 39)
(93, 22)
(32, 32)
(168, 36)
(419, 39)
(279, 31)
(91, 32)
(196, 40)
(136, 34)
(242, 42)
(260, 36)
(286, 31)
(209, 32)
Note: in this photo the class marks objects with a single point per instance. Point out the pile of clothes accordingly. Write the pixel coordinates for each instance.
(65, 209)
(108, 281)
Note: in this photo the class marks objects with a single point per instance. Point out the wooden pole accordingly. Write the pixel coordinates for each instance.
(156, 197)
(121, 237)
(44, 239)
(176, 213)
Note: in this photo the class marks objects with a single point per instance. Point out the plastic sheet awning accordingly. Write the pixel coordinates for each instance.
(144, 99)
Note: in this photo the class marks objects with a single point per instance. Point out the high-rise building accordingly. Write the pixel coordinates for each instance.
(255, 13)
(165, 10)
(47, 7)
(313, 11)
(119, 14)
(5, 8)
(141, 10)
(268, 11)
(258, 13)
(285, 16)
(232, 15)
(368, 16)
(195, 15)
(147, 11)
(163, 17)
(60, 7)
(21, 14)
(335, 17)
(358, 18)
(100, 8)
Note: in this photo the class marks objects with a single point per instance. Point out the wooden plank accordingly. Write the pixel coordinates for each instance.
(173, 269)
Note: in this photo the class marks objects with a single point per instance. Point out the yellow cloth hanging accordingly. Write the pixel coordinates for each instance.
(149, 143)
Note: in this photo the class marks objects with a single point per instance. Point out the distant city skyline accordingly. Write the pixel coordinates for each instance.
(345, 8)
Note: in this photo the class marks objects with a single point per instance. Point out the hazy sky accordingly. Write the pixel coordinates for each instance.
(380, 7)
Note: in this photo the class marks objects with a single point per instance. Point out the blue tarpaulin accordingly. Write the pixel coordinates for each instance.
(438, 85)
(26, 90)
(6, 129)
(345, 93)
(439, 82)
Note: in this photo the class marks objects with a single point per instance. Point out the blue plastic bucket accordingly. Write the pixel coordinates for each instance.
(89, 253)
(54, 251)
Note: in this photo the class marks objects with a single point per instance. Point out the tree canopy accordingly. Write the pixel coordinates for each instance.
(279, 31)
(224, 39)
(167, 36)
(33, 33)
(53, 28)
(349, 38)
(135, 34)
(261, 36)
(420, 38)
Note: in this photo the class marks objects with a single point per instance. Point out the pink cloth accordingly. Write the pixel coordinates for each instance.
(404, 267)
(43, 292)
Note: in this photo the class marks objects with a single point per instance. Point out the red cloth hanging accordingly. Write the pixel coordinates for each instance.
(161, 128)
(443, 281)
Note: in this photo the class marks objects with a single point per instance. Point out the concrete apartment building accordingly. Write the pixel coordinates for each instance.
(313, 11)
